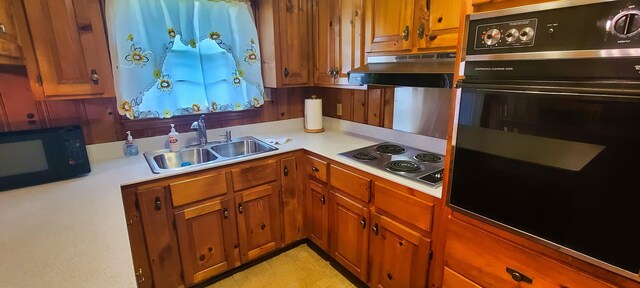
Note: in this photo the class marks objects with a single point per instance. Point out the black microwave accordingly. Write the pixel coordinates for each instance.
(40, 156)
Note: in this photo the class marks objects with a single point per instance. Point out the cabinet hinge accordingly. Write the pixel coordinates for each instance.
(430, 255)
(174, 225)
(39, 79)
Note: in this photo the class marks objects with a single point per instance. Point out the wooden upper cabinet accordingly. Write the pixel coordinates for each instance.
(444, 20)
(349, 222)
(206, 235)
(400, 256)
(259, 221)
(71, 48)
(389, 25)
(317, 214)
(338, 39)
(284, 31)
(10, 48)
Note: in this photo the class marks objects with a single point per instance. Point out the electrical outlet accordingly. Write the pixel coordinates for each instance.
(339, 109)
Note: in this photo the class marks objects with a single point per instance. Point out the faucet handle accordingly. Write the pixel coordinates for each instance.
(227, 136)
(195, 125)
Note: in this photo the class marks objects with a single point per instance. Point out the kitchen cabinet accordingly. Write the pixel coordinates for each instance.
(318, 214)
(257, 211)
(349, 222)
(400, 256)
(451, 279)
(410, 26)
(490, 261)
(284, 28)
(206, 238)
(11, 51)
(71, 48)
(292, 200)
(338, 40)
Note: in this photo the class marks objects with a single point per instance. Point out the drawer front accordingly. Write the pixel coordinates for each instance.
(251, 176)
(451, 279)
(406, 207)
(196, 189)
(316, 168)
(351, 183)
(484, 259)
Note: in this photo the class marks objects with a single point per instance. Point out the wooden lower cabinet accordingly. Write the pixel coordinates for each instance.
(318, 215)
(349, 222)
(451, 279)
(258, 212)
(400, 256)
(206, 237)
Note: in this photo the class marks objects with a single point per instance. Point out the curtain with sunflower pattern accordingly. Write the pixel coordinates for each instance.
(177, 57)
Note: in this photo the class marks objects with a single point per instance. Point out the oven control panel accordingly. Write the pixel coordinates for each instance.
(518, 33)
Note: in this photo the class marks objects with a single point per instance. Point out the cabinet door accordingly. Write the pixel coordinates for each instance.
(294, 47)
(71, 47)
(206, 238)
(350, 46)
(350, 235)
(258, 215)
(162, 246)
(10, 48)
(324, 39)
(318, 214)
(400, 255)
(293, 219)
(444, 20)
(389, 25)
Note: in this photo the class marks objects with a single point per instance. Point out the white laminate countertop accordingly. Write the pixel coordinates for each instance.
(72, 233)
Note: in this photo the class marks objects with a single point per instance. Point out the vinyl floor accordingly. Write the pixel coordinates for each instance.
(298, 267)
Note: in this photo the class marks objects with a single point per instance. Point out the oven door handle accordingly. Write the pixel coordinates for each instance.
(560, 93)
(602, 91)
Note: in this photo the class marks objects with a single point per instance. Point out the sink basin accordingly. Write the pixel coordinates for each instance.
(183, 158)
(241, 147)
(164, 160)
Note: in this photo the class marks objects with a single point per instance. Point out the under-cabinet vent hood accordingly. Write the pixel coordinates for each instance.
(433, 70)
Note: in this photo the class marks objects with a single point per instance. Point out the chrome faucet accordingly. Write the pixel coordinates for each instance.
(201, 129)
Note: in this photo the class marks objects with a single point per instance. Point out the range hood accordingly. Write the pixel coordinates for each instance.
(433, 70)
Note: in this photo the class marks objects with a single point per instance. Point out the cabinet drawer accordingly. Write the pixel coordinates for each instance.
(351, 183)
(484, 259)
(452, 279)
(406, 207)
(192, 190)
(316, 168)
(254, 175)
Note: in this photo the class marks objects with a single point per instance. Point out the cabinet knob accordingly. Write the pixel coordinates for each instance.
(323, 200)
(225, 213)
(405, 33)
(286, 72)
(2, 28)
(421, 31)
(286, 171)
(95, 78)
(157, 203)
(315, 169)
(519, 277)
(375, 229)
(240, 208)
(440, 19)
(433, 37)
(363, 222)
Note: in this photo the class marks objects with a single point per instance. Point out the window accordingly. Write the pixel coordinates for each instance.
(177, 57)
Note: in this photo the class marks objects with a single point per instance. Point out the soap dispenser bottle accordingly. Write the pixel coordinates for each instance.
(130, 148)
(174, 142)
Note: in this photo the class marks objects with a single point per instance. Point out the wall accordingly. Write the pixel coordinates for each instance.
(100, 120)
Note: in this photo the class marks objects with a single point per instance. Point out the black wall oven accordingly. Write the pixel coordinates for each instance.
(547, 143)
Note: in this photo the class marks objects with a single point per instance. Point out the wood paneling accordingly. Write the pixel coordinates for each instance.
(349, 222)
(206, 237)
(350, 183)
(254, 174)
(317, 214)
(162, 246)
(198, 188)
(374, 107)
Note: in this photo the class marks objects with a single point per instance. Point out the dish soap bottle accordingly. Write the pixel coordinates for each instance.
(174, 144)
(130, 148)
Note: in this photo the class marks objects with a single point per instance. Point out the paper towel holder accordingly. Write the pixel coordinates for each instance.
(319, 130)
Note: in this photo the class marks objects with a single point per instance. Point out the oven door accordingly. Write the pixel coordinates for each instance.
(559, 165)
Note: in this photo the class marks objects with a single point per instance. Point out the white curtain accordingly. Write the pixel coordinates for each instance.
(176, 57)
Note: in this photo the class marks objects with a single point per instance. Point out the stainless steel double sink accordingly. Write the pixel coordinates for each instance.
(164, 160)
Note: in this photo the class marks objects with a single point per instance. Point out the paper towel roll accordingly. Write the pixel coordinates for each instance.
(313, 115)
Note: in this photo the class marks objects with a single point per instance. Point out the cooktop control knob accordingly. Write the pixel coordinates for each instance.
(626, 24)
(526, 34)
(512, 35)
(492, 36)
